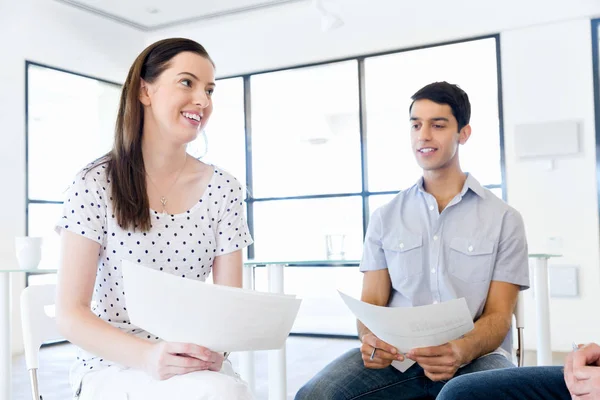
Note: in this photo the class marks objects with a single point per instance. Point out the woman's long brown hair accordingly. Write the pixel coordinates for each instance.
(125, 163)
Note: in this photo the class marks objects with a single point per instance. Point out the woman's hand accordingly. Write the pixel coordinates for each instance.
(164, 360)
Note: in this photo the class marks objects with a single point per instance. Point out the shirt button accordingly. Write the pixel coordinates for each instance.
(435, 237)
(470, 248)
(401, 245)
(433, 270)
(431, 208)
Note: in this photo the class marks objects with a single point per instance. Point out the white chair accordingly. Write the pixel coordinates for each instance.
(519, 313)
(38, 327)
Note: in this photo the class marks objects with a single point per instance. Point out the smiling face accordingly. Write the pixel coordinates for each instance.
(178, 104)
(435, 136)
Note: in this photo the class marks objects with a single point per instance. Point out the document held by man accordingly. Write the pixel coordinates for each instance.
(218, 317)
(407, 328)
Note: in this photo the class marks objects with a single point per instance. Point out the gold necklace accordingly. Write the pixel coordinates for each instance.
(163, 199)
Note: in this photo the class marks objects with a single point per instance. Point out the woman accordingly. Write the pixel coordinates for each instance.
(149, 202)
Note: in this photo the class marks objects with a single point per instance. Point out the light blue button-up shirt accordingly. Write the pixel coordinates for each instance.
(434, 257)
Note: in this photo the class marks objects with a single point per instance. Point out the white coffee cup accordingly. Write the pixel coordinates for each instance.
(29, 251)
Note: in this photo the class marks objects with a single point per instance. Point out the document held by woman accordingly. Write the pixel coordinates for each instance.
(218, 317)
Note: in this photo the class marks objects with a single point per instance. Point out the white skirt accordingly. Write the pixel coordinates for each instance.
(115, 383)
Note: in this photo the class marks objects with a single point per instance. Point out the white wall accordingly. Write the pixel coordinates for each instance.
(547, 75)
(549, 81)
(51, 33)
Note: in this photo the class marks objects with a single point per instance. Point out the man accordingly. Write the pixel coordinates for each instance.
(578, 380)
(444, 238)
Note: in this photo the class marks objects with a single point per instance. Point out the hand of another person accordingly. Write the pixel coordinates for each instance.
(384, 353)
(164, 360)
(438, 362)
(582, 372)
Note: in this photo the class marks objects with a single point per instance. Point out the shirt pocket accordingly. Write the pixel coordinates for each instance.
(403, 255)
(471, 259)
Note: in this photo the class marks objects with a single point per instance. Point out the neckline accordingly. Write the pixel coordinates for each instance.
(195, 206)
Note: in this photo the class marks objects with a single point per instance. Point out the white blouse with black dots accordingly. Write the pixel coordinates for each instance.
(184, 244)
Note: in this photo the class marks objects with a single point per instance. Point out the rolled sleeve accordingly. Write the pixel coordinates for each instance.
(232, 231)
(84, 208)
(512, 263)
(373, 258)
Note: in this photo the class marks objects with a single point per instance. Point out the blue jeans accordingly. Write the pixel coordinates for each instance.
(527, 383)
(347, 378)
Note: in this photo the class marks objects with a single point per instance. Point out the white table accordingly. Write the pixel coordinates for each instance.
(542, 307)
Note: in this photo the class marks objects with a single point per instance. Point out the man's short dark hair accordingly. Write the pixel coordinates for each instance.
(450, 94)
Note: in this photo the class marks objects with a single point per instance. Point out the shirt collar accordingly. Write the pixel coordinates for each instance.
(470, 183)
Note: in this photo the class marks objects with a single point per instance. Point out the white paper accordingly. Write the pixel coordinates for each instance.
(408, 328)
(220, 318)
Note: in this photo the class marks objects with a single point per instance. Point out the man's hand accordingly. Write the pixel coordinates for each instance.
(582, 372)
(384, 353)
(438, 362)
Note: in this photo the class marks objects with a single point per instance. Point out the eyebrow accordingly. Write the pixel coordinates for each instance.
(195, 77)
(431, 119)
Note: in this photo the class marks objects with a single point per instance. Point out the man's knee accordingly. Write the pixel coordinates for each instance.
(318, 389)
(454, 390)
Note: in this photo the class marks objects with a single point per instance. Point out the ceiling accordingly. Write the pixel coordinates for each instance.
(157, 14)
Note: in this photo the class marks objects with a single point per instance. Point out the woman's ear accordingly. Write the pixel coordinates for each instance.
(144, 94)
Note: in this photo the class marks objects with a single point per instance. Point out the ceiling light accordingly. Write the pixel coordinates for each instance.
(329, 20)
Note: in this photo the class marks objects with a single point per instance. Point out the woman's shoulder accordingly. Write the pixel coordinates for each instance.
(93, 174)
(222, 177)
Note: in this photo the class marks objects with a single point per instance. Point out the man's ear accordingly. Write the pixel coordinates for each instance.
(144, 95)
(464, 134)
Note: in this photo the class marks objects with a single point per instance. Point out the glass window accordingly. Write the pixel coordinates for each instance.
(392, 79)
(305, 131)
(71, 122)
(312, 229)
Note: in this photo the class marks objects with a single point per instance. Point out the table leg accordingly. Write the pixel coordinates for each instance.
(277, 360)
(5, 350)
(542, 307)
(247, 357)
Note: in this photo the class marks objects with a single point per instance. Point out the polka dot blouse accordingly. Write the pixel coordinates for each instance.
(183, 244)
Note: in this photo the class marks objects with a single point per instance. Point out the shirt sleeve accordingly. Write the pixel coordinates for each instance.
(232, 228)
(84, 208)
(373, 257)
(512, 263)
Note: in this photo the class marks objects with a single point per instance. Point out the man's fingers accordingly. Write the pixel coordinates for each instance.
(583, 373)
(433, 351)
(367, 350)
(436, 369)
(581, 388)
(568, 371)
(444, 361)
(383, 355)
(374, 341)
(438, 377)
(377, 364)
